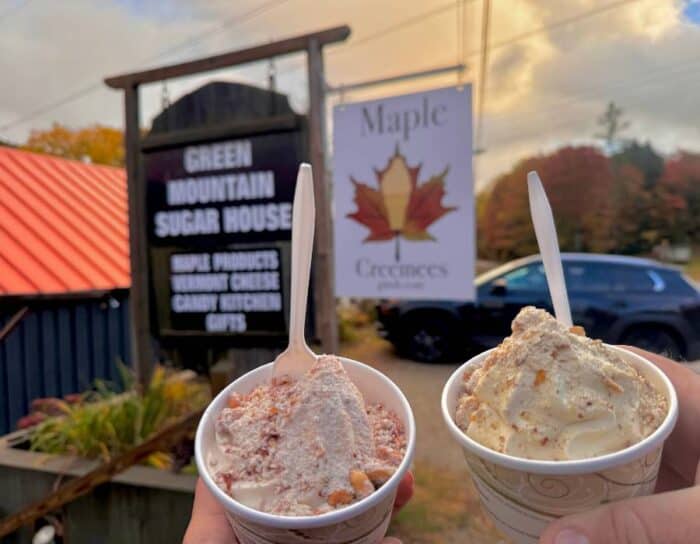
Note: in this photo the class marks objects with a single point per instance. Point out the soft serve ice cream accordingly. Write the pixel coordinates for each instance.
(306, 446)
(550, 393)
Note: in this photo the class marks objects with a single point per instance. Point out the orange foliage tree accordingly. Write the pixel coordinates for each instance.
(678, 195)
(579, 183)
(635, 230)
(99, 144)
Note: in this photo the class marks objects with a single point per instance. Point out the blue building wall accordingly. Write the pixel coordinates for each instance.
(60, 347)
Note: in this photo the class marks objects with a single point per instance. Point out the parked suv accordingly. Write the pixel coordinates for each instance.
(621, 300)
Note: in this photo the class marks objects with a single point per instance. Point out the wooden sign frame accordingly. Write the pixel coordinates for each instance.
(324, 294)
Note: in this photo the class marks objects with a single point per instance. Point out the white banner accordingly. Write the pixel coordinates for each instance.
(404, 198)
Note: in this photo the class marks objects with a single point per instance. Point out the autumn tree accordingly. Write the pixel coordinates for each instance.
(505, 228)
(578, 181)
(679, 198)
(634, 230)
(638, 169)
(480, 209)
(97, 143)
(644, 158)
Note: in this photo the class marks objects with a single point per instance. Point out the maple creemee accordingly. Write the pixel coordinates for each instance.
(305, 446)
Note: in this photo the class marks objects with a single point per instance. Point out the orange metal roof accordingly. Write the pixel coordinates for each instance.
(63, 225)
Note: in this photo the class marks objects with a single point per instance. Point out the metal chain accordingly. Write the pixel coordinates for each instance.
(164, 96)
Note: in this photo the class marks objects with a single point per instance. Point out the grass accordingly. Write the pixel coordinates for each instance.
(444, 508)
(352, 318)
(106, 424)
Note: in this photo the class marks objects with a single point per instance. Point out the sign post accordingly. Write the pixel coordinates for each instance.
(324, 296)
(139, 311)
(269, 297)
(404, 198)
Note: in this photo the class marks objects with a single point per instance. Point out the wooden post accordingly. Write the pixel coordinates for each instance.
(141, 349)
(324, 291)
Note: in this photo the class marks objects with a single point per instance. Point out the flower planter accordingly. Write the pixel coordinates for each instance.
(142, 505)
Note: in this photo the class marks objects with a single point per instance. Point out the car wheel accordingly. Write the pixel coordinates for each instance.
(654, 339)
(427, 338)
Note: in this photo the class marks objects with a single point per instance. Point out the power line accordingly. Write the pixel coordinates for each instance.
(79, 93)
(394, 28)
(194, 40)
(88, 89)
(503, 43)
(461, 41)
(409, 21)
(14, 9)
(508, 41)
(570, 122)
(483, 72)
(559, 24)
(458, 30)
(679, 71)
(205, 35)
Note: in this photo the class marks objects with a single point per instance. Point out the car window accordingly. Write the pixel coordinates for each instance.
(634, 279)
(587, 277)
(611, 278)
(676, 284)
(526, 278)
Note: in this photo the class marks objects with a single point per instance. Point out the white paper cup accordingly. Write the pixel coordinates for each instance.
(522, 496)
(363, 522)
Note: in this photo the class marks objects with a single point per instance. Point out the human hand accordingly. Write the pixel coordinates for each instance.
(209, 525)
(670, 516)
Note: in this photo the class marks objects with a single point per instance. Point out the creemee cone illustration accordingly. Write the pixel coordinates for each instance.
(401, 206)
(396, 191)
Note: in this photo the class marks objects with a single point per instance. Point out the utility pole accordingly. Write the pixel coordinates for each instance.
(612, 124)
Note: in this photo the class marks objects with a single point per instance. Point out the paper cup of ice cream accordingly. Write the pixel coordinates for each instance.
(547, 467)
(320, 431)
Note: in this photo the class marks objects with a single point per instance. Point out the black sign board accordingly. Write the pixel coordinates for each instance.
(219, 217)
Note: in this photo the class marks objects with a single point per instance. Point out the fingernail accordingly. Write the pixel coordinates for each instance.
(571, 536)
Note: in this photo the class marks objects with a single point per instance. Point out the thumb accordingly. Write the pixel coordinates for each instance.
(668, 518)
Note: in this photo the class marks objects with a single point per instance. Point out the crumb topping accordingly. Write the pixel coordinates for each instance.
(551, 393)
(305, 447)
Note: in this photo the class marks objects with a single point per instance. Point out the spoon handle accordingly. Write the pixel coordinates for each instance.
(303, 221)
(546, 232)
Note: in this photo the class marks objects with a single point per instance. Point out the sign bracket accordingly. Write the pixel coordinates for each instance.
(342, 89)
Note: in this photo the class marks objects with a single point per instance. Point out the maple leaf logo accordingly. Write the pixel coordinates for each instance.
(400, 206)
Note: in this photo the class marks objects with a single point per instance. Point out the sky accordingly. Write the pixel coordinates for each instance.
(553, 64)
